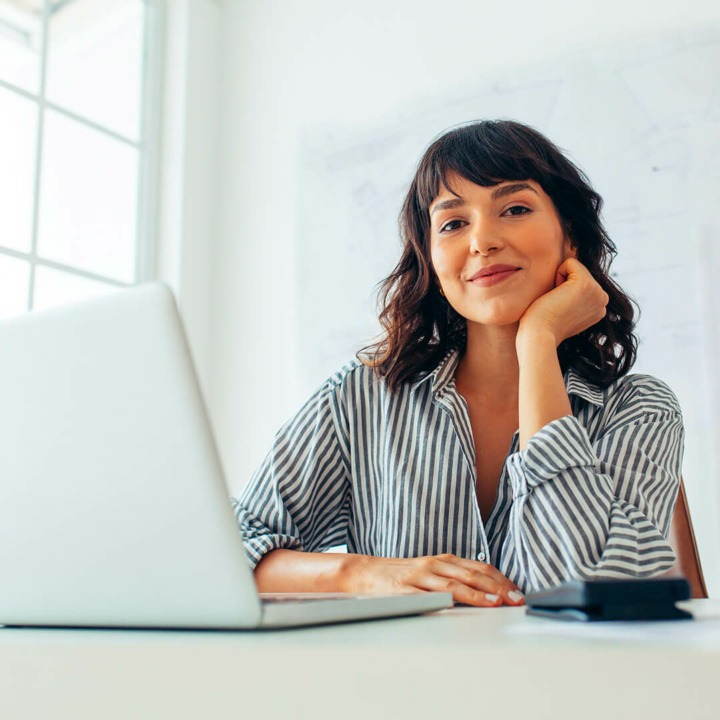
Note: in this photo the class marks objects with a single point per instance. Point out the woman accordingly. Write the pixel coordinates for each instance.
(492, 442)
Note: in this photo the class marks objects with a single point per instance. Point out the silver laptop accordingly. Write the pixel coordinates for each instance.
(113, 507)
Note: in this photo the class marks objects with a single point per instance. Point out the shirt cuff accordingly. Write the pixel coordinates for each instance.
(258, 539)
(256, 548)
(561, 444)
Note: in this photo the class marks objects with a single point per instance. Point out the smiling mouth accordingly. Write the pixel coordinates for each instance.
(493, 275)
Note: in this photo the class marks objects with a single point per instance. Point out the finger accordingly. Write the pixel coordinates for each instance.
(477, 566)
(504, 587)
(479, 576)
(564, 271)
(571, 266)
(461, 592)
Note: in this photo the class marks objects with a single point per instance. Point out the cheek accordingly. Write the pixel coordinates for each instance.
(548, 252)
(446, 260)
(440, 261)
(545, 257)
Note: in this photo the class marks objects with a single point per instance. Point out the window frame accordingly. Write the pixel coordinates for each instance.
(147, 146)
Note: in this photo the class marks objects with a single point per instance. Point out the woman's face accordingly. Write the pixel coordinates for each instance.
(495, 249)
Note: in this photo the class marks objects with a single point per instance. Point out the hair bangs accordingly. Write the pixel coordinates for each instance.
(481, 159)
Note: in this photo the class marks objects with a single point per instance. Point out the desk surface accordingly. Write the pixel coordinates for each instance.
(463, 662)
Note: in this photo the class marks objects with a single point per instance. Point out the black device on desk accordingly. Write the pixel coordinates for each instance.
(593, 600)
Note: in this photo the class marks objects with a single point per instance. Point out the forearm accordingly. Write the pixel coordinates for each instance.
(586, 529)
(603, 500)
(470, 582)
(542, 396)
(295, 571)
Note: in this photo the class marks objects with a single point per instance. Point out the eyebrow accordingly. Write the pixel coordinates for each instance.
(505, 190)
(497, 194)
(448, 204)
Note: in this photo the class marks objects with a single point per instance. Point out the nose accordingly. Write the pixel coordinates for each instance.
(485, 239)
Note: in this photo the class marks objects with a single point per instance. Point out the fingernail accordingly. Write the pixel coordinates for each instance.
(516, 595)
(491, 598)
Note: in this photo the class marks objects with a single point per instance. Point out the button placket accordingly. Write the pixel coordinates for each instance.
(452, 404)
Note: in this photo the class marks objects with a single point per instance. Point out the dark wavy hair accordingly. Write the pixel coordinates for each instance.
(420, 326)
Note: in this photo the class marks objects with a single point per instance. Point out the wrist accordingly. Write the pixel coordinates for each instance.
(534, 338)
(350, 572)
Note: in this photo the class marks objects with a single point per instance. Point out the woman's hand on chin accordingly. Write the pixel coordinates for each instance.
(575, 303)
(470, 582)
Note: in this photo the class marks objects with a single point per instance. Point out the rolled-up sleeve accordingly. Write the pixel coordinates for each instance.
(598, 508)
(298, 498)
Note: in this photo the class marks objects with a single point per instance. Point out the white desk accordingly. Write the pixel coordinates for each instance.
(461, 663)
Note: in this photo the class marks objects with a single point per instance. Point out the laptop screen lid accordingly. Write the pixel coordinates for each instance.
(112, 501)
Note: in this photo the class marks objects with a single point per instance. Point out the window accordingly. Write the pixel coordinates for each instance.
(74, 160)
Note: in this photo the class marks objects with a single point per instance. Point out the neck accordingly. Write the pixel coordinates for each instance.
(489, 368)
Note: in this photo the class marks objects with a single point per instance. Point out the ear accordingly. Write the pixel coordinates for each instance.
(569, 249)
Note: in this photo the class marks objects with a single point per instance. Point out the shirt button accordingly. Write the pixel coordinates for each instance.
(481, 556)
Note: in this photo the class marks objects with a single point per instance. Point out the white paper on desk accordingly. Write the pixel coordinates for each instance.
(703, 631)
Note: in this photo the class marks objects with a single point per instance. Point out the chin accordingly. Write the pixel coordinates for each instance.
(496, 323)
(497, 319)
(494, 315)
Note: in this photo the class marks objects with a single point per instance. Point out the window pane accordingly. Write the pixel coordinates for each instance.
(88, 199)
(21, 43)
(18, 135)
(95, 56)
(54, 287)
(14, 284)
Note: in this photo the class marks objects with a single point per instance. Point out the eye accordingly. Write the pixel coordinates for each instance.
(517, 210)
(451, 225)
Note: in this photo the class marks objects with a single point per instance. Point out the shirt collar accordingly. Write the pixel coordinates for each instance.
(577, 385)
(444, 373)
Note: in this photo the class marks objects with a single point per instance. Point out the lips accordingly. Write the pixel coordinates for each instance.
(493, 274)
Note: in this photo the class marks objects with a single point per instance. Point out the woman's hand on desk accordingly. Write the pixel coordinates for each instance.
(470, 582)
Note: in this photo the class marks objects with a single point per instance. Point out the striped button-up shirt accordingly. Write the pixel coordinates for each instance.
(392, 474)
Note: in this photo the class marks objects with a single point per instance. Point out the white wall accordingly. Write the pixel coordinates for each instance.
(288, 66)
(187, 209)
